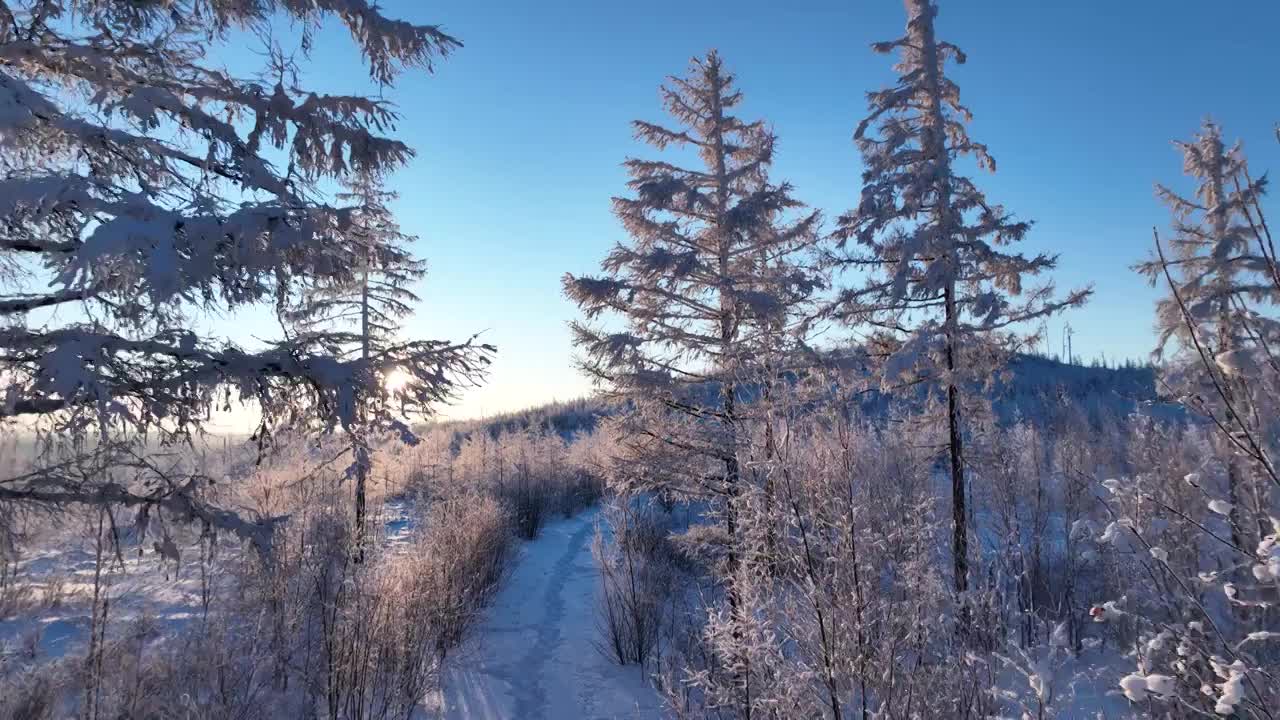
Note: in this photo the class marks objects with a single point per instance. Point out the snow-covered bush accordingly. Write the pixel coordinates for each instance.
(1197, 610)
(385, 626)
(847, 608)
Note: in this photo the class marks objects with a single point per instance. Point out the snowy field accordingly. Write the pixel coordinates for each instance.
(536, 653)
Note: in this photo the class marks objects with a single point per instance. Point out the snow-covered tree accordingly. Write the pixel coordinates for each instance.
(1216, 263)
(940, 289)
(358, 319)
(1218, 275)
(144, 189)
(1217, 337)
(713, 274)
(698, 286)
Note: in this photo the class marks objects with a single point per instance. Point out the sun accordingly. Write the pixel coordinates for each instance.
(396, 380)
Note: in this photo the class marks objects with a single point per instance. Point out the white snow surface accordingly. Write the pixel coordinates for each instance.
(535, 654)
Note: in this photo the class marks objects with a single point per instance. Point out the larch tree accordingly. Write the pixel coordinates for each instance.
(1219, 271)
(939, 288)
(143, 190)
(359, 319)
(1216, 350)
(712, 273)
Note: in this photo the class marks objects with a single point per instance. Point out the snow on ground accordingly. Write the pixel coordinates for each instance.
(59, 581)
(535, 654)
(57, 577)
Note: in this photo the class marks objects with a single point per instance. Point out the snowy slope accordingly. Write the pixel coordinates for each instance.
(534, 655)
(1033, 384)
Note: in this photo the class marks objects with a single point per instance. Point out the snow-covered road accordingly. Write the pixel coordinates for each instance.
(535, 654)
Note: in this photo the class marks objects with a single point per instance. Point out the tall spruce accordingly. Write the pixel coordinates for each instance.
(358, 318)
(939, 289)
(712, 275)
(1219, 273)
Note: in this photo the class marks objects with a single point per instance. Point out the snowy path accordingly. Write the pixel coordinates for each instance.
(534, 656)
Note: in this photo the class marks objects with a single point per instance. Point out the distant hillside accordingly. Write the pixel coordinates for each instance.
(1123, 389)
(1034, 384)
(566, 419)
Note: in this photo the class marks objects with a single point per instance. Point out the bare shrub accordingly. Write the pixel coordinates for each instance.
(528, 504)
(532, 473)
(30, 696)
(15, 597)
(638, 575)
(465, 555)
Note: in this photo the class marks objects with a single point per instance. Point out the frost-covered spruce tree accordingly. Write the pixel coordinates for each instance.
(358, 319)
(1218, 274)
(144, 188)
(940, 287)
(712, 269)
(1218, 334)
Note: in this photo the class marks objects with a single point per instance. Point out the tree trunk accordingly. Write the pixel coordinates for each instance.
(362, 471)
(934, 144)
(728, 350)
(732, 474)
(959, 518)
(1227, 342)
(770, 491)
(361, 447)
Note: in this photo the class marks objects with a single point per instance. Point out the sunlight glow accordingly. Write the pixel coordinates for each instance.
(396, 380)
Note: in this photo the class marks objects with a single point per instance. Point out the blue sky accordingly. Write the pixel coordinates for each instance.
(521, 134)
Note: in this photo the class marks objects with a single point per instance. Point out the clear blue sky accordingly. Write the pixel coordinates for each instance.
(521, 134)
